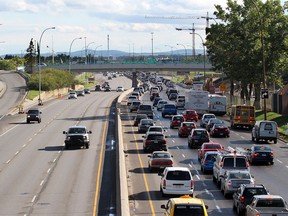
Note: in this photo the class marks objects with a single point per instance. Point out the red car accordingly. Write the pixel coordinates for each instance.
(190, 115)
(209, 146)
(176, 121)
(185, 128)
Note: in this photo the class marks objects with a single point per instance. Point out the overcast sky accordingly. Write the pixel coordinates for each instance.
(123, 20)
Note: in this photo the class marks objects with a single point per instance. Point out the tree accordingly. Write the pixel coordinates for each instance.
(30, 58)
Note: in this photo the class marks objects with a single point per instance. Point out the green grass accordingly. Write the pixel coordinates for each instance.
(32, 94)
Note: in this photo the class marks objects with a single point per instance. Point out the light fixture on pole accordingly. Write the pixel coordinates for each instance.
(39, 65)
(95, 52)
(87, 60)
(184, 48)
(70, 51)
(171, 51)
(152, 44)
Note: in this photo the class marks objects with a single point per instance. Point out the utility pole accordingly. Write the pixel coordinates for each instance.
(108, 47)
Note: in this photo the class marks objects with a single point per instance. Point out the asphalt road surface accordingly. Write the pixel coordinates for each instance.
(144, 194)
(38, 176)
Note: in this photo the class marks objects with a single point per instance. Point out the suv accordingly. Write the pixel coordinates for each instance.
(146, 109)
(190, 115)
(154, 141)
(205, 118)
(176, 181)
(135, 105)
(77, 136)
(227, 160)
(156, 129)
(185, 205)
(72, 95)
(244, 194)
(265, 130)
(33, 115)
(169, 109)
(197, 137)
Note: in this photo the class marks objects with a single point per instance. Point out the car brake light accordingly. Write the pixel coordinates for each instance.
(242, 199)
(255, 155)
(154, 163)
(192, 184)
(229, 183)
(216, 129)
(247, 164)
(238, 117)
(164, 183)
(170, 162)
(221, 164)
(272, 154)
(226, 129)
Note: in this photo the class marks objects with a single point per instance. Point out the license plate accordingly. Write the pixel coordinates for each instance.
(263, 155)
(221, 134)
(177, 186)
(155, 141)
(195, 140)
(178, 121)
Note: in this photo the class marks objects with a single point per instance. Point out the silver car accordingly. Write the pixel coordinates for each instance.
(159, 160)
(161, 104)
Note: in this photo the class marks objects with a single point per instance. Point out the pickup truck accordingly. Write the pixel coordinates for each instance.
(169, 109)
(146, 109)
(267, 205)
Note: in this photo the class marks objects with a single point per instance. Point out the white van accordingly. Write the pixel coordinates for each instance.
(265, 130)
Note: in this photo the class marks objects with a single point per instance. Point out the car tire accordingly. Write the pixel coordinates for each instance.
(257, 140)
(87, 146)
(275, 141)
(252, 138)
(67, 147)
(39, 120)
(214, 179)
(28, 122)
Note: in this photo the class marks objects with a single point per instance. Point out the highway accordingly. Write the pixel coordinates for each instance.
(144, 194)
(39, 177)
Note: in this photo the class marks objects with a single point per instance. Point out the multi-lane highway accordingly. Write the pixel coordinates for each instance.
(144, 194)
(39, 177)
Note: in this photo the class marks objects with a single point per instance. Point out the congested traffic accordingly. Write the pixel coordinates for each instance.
(229, 167)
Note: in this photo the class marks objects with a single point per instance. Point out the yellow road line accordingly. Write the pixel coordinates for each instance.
(100, 164)
(144, 175)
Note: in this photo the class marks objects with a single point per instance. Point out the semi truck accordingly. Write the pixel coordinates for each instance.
(198, 101)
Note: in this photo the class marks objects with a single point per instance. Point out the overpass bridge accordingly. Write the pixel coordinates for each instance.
(157, 67)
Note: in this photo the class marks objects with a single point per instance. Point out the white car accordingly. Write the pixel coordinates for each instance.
(72, 95)
(119, 89)
(176, 181)
(130, 99)
(205, 118)
(161, 104)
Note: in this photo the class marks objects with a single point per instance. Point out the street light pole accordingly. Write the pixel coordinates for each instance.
(171, 51)
(39, 65)
(184, 48)
(70, 52)
(152, 44)
(95, 52)
(87, 60)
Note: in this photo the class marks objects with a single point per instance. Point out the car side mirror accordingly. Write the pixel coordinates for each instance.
(90, 132)
(163, 206)
(206, 206)
(64, 132)
(40, 112)
(149, 156)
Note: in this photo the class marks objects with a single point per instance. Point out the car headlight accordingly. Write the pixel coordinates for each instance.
(28, 116)
(68, 138)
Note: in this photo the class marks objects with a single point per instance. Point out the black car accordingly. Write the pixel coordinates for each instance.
(173, 96)
(211, 123)
(154, 141)
(144, 124)
(156, 100)
(97, 88)
(33, 115)
(197, 137)
(260, 154)
(220, 130)
(138, 118)
(244, 194)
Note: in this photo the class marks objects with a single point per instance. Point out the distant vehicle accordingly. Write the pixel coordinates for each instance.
(77, 136)
(217, 104)
(242, 116)
(159, 160)
(156, 128)
(206, 147)
(244, 194)
(185, 205)
(260, 154)
(267, 205)
(107, 88)
(109, 77)
(265, 130)
(135, 105)
(120, 89)
(186, 128)
(87, 91)
(232, 180)
(197, 137)
(205, 118)
(105, 84)
(180, 176)
(80, 93)
(72, 95)
(190, 115)
(169, 109)
(146, 109)
(207, 162)
(156, 100)
(211, 122)
(172, 96)
(161, 104)
(154, 95)
(97, 88)
(144, 124)
(180, 102)
(220, 130)
(154, 141)
(138, 118)
(33, 114)
(176, 121)
(130, 99)
(199, 101)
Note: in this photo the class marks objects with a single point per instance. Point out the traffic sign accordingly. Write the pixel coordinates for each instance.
(264, 93)
(222, 87)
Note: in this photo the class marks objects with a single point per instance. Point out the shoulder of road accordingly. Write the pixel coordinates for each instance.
(2, 88)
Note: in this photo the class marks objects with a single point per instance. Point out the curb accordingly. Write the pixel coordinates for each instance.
(3, 88)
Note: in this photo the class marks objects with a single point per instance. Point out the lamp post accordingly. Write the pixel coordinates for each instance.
(184, 48)
(152, 44)
(70, 51)
(95, 52)
(39, 64)
(171, 51)
(87, 51)
(263, 56)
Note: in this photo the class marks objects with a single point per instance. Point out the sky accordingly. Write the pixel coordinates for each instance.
(130, 24)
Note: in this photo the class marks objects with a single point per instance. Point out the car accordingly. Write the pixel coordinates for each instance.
(87, 91)
(104, 84)
(159, 160)
(232, 179)
(80, 93)
(180, 103)
(209, 146)
(185, 205)
(130, 99)
(176, 181)
(109, 77)
(156, 128)
(138, 118)
(186, 128)
(120, 89)
(244, 194)
(107, 88)
(154, 141)
(135, 105)
(220, 130)
(176, 121)
(77, 136)
(211, 122)
(161, 104)
(172, 96)
(265, 130)
(156, 100)
(137, 94)
(197, 137)
(33, 114)
(205, 118)
(171, 90)
(260, 154)
(154, 95)
(190, 115)
(207, 162)
(144, 124)
(72, 95)
(169, 109)
(146, 109)
(97, 88)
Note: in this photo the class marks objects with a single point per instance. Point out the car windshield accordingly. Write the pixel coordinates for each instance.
(262, 148)
(136, 103)
(178, 175)
(161, 155)
(211, 157)
(147, 121)
(156, 129)
(77, 130)
(188, 124)
(212, 146)
(185, 210)
(250, 192)
(155, 137)
(33, 111)
(209, 116)
(191, 112)
(240, 162)
(239, 175)
(200, 133)
(169, 106)
(145, 107)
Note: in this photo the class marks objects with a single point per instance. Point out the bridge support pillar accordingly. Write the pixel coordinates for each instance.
(134, 79)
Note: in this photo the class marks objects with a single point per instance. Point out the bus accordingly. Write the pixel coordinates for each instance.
(242, 116)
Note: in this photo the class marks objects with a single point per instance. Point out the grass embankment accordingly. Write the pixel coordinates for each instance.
(280, 119)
